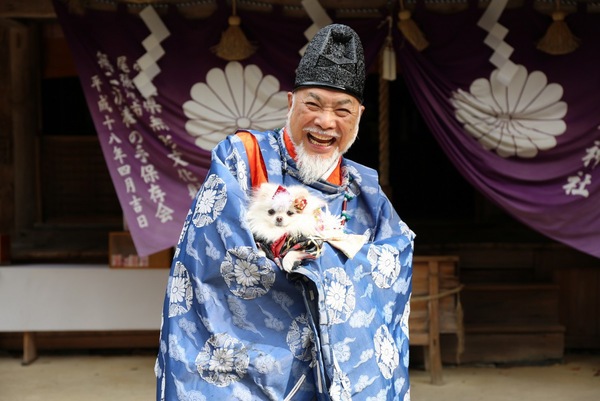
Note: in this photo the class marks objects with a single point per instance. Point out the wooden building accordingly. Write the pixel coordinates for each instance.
(525, 298)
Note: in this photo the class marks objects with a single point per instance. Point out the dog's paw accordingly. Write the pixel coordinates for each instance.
(293, 259)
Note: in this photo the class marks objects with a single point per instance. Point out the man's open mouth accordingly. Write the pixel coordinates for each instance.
(320, 140)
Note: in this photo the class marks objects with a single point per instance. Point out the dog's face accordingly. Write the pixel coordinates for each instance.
(282, 214)
(275, 211)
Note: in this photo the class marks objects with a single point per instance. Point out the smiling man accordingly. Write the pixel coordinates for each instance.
(236, 326)
(323, 125)
(326, 105)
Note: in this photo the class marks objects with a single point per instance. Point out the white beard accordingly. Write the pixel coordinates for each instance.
(314, 167)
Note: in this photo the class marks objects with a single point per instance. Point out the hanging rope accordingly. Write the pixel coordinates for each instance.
(387, 72)
(439, 295)
(384, 136)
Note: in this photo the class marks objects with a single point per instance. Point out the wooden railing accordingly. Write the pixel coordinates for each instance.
(435, 308)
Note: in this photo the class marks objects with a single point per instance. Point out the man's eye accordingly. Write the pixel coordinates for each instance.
(343, 112)
(312, 105)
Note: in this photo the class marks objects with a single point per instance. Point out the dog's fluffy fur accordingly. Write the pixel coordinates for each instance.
(275, 211)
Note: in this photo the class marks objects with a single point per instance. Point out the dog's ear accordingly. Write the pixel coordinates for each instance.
(298, 191)
(311, 202)
(264, 192)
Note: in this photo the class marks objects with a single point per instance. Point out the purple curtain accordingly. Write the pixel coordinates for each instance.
(532, 146)
(157, 144)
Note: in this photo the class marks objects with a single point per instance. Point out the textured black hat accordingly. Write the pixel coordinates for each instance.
(334, 58)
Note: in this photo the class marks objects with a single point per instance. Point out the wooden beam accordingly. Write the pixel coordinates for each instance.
(27, 9)
(40, 9)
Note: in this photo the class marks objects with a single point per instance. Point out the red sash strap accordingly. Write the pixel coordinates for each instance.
(258, 170)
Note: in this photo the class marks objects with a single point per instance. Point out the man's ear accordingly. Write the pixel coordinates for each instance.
(290, 99)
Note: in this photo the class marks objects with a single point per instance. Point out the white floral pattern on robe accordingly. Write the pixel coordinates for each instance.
(236, 327)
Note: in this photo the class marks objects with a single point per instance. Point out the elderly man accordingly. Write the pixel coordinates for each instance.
(235, 325)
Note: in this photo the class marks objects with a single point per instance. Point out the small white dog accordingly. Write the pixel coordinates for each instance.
(285, 222)
(275, 211)
(290, 224)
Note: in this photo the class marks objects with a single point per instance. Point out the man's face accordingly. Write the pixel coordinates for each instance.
(323, 122)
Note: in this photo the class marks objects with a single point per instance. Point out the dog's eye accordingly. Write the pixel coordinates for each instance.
(290, 213)
(271, 212)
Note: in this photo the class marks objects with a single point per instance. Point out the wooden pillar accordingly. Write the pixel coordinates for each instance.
(7, 181)
(434, 351)
(29, 348)
(19, 97)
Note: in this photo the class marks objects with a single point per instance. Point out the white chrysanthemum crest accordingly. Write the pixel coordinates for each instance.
(520, 119)
(237, 97)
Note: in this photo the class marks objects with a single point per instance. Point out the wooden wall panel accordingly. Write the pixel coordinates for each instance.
(580, 306)
(57, 59)
(75, 182)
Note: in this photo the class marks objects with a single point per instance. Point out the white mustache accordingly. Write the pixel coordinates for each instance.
(314, 130)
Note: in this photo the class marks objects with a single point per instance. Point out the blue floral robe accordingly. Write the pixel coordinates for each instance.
(236, 327)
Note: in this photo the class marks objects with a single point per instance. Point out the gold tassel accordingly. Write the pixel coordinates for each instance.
(410, 30)
(558, 39)
(388, 67)
(388, 55)
(234, 45)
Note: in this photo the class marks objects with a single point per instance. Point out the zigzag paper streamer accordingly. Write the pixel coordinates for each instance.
(320, 19)
(495, 39)
(154, 51)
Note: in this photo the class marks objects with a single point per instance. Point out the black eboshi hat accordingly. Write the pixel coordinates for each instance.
(334, 59)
